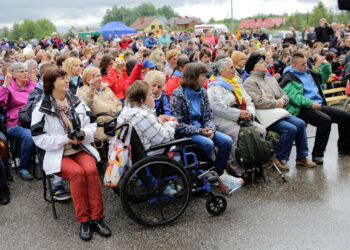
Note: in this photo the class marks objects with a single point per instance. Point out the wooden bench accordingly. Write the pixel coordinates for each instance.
(333, 100)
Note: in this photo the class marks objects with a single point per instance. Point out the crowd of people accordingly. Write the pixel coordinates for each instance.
(172, 86)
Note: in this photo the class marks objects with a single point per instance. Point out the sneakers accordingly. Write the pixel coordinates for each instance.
(317, 159)
(101, 228)
(171, 190)
(85, 231)
(281, 164)
(305, 162)
(230, 183)
(61, 194)
(25, 175)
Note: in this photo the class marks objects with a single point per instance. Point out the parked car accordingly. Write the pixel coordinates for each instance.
(279, 36)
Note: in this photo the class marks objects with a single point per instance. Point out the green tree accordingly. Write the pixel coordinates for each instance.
(28, 29)
(296, 20)
(167, 12)
(16, 31)
(5, 32)
(212, 20)
(43, 27)
(343, 17)
(146, 9)
(318, 12)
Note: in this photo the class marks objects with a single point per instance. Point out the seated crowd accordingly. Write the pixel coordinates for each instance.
(190, 86)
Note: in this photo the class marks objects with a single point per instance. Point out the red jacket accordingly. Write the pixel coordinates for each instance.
(125, 44)
(114, 81)
(172, 84)
(134, 76)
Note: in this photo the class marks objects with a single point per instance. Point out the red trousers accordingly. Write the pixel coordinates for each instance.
(80, 169)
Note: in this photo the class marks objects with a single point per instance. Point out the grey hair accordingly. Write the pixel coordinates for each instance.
(17, 66)
(220, 65)
(30, 63)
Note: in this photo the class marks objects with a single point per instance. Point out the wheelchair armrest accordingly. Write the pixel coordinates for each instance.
(183, 141)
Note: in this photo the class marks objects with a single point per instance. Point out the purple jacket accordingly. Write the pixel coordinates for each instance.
(13, 99)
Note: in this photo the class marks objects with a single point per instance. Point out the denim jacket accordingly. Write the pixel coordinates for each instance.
(181, 108)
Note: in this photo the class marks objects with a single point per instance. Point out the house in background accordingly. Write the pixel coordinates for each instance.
(270, 22)
(148, 24)
(184, 22)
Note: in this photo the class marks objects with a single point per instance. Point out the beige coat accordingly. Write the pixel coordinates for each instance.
(264, 90)
(104, 103)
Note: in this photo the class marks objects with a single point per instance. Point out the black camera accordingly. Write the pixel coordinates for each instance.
(75, 134)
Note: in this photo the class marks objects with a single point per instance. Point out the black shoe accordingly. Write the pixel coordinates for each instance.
(317, 159)
(101, 228)
(4, 196)
(85, 231)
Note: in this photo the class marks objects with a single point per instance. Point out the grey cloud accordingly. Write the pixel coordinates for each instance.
(38, 9)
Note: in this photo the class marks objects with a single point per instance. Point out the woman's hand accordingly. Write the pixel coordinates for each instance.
(280, 103)
(208, 133)
(140, 57)
(245, 115)
(74, 141)
(34, 78)
(8, 78)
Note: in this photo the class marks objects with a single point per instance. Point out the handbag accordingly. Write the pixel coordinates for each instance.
(23, 117)
(267, 117)
(119, 160)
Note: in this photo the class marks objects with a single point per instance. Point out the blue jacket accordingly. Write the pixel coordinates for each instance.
(162, 105)
(181, 108)
(150, 42)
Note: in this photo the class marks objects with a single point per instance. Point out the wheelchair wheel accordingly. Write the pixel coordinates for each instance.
(155, 191)
(216, 204)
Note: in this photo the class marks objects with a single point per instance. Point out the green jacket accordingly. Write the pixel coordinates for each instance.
(325, 70)
(294, 88)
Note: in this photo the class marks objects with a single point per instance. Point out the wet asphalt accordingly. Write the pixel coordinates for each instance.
(310, 211)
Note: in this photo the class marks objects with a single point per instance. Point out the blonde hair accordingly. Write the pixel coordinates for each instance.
(236, 56)
(153, 76)
(170, 54)
(69, 63)
(88, 73)
(48, 57)
(155, 58)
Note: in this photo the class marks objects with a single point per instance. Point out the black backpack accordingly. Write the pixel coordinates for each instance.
(252, 150)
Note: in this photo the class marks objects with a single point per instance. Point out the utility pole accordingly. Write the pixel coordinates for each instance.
(232, 28)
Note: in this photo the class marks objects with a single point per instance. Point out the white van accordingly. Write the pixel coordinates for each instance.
(217, 28)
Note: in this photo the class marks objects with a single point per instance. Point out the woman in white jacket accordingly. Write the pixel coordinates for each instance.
(230, 104)
(68, 154)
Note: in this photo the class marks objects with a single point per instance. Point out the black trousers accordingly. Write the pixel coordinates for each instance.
(323, 119)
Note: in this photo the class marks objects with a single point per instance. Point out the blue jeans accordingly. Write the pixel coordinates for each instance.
(221, 140)
(23, 135)
(290, 129)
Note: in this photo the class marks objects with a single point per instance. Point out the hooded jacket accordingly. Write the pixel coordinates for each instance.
(49, 135)
(294, 88)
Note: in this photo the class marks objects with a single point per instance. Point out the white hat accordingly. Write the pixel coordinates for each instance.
(28, 51)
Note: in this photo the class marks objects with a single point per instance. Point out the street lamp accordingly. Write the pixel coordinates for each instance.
(232, 18)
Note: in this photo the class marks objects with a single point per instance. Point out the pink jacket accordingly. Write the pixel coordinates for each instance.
(13, 98)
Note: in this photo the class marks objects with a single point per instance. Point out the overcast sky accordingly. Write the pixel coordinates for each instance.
(67, 13)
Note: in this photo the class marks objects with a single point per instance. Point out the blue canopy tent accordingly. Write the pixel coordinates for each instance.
(113, 28)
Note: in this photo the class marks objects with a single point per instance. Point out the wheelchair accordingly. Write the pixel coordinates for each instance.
(143, 187)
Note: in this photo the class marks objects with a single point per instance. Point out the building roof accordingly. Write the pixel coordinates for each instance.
(183, 20)
(269, 22)
(142, 22)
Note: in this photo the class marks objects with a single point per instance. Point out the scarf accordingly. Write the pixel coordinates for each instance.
(236, 89)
